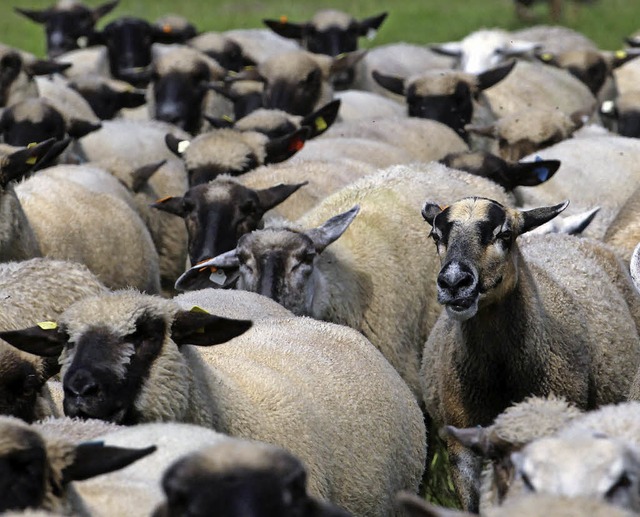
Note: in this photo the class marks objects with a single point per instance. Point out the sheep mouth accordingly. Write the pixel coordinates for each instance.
(463, 308)
(84, 411)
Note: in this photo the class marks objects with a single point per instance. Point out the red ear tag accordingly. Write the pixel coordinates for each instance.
(296, 144)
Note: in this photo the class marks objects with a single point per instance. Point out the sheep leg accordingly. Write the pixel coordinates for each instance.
(465, 472)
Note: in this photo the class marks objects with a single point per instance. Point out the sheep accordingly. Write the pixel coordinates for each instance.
(593, 169)
(69, 24)
(356, 281)
(623, 113)
(562, 313)
(526, 506)
(426, 140)
(251, 476)
(555, 39)
(357, 105)
(228, 151)
(245, 388)
(173, 28)
(258, 45)
(39, 471)
(107, 97)
(90, 227)
(330, 32)
(34, 291)
(222, 49)
(623, 234)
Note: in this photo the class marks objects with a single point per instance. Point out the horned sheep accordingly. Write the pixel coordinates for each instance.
(584, 348)
(244, 388)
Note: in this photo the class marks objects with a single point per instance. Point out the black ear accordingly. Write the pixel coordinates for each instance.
(533, 218)
(49, 157)
(429, 211)
(202, 329)
(286, 29)
(17, 164)
(104, 9)
(172, 204)
(389, 82)
(175, 145)
(321, 120)
(142, 174)
(270, 197)
(33, 15)
(131, 99)
(44, 340)
(495, 75)
(45, 67)
(94, 458)
(530, 174)
(279, 149)
(218, 123)
(371, 23)
(79, 128)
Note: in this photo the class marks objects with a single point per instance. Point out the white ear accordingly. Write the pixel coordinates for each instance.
(519, 48)
(452, 48)
(635, 267)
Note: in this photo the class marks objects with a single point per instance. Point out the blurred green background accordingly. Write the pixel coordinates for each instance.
(416, 21)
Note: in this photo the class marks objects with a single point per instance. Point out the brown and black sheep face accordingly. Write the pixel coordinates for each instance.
(24, 468)
(31, 121)
(474, 238)
(218, 213)
(240, 478)
(68, 28)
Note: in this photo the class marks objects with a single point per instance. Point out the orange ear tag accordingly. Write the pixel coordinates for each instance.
(164, 199)
(284, 19)
(167, 29)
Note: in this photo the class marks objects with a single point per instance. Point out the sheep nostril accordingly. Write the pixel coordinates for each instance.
(460, 280)
(82, 384)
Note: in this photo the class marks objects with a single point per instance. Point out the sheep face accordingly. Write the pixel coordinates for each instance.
(609, 471)
(587, 65)
(119, 356)
(475, 238)
(69, 26)
(105, 96)
(219, 212)
(239, 477)
(224, 50)
(10, 70)
(32, 120)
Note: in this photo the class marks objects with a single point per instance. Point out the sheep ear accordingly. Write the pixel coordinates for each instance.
(44, 340)
(530, 174)
(131, 98)
(533, 218)
(476, 439)
(17, 164)
(495, 75)
(33, 15)
(322, 119)
(175, 145)
(346, 61)
(104, 9)
(571, 225)
(620, 57)
(218, 272)
(94, 458)
(332, 229)
(546, 57)
(415, 506)
(142, 175)
(429, 211)
(634, 267)
(78, 128)
(218, 123)
(452, 49)
(172, 204)
(286, 29)
(367, 25)
(198, 327)
(56, 150)
(389, 82)
(279, 149)
(270, 197)
(45, 67)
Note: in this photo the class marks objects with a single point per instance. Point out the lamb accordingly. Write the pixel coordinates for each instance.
(542, 290)
(39, 470)
(244, 388)
(355, 282)
(242, 474)
(69, 24)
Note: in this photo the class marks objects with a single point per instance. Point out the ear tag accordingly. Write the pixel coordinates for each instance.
(371, 33)
(32, 160)
(164, 199)
(443, 207)
(541, 172)
(166, 28)
(284, 19)
(608, 107)
(321, 124)
(82, 41)
(296, 144)
(218, 276)
(183, 145)
(546, 56)
(195, 308)
(227, 118)
(621, 54)
(48, 325)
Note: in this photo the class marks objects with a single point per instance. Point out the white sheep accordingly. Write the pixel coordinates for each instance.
(561, 312)
(246, 388)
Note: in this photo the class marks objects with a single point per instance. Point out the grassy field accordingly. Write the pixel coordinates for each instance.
(417, 21)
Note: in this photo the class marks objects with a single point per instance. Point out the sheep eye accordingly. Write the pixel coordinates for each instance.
(504, 236)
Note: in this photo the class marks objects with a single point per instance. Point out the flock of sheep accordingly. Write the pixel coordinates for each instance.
(225, 258)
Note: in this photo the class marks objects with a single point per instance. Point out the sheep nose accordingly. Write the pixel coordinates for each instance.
(81, 383)
(454, 277)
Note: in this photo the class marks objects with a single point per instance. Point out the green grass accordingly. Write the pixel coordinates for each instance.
(417, 21)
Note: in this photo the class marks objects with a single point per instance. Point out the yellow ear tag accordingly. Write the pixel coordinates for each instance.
(621, 54)
(195, 308)
(33, 159)
(48, 325)
(546, 56)
(182, 146)
(227, 118)
(284, 18)
(321, 124)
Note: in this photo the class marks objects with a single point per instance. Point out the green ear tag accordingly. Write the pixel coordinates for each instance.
(227, 118)
(48, 325)
(321, 124)
(195, 308)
